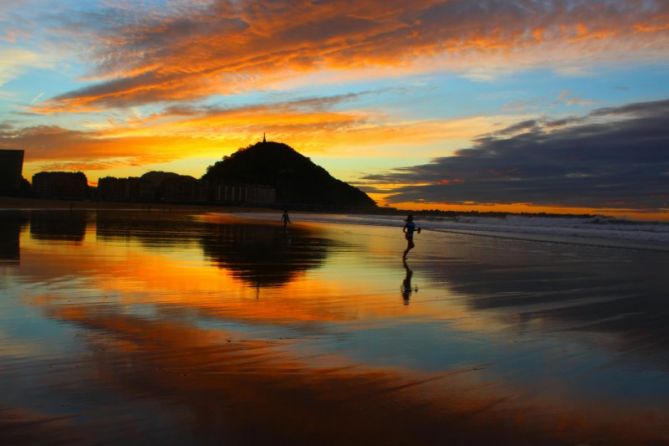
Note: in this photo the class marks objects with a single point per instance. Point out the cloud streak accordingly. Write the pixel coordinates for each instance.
(612, 158)
(176, 132)
(182, 131)
(230, 46)
(14, 61)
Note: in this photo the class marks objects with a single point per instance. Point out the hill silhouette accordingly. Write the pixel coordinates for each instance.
(299, 183)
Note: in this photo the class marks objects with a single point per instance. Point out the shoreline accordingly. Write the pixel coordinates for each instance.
(29, 203)
(13, 203)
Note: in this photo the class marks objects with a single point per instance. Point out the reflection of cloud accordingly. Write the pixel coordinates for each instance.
(180, 357)
(222, 46)
(135, 259)
(11, 346)
(19, 426)
(614, 157)
(218, 381)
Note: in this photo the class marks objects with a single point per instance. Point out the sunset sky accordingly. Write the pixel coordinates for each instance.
(530, 105)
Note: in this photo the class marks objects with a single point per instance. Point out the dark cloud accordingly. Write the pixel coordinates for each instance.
(561, 122)
(639, 109)
(618, 163)
(370, 189)
(520, 127)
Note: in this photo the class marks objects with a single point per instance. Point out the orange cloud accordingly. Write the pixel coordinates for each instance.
(56, 144)
(229, 47)
(311, 125)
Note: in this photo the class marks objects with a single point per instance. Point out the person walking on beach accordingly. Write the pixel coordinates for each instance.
(408, 229)
(286, 219)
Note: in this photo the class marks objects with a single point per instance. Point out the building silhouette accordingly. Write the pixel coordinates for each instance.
(60, 185)
(152, 187)
(242, 193)
(168, 187)
(119, 189)
(11, 168)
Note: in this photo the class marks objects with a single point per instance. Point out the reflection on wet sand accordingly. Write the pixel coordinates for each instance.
(150, 331)
(58, 225)
(618, 292)
(260, 254)
(264, 255)
(23, 427)
(253, 392)
(153, 230)
(407, 288)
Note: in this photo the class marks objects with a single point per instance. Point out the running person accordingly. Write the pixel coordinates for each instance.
(408, 229)
(286, 219)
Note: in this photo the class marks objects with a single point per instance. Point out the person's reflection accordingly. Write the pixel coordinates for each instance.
(407, 289)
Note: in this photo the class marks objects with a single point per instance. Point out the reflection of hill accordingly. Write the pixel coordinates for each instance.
(10, 229)
(264, 255)
(58, 225)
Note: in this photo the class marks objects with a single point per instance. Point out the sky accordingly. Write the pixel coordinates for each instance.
(524, 105)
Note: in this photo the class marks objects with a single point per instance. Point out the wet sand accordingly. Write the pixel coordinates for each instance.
(139, 328)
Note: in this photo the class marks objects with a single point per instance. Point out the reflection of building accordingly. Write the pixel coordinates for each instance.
(11, 167)
(10, 230)
(62, 185)
(58, 226)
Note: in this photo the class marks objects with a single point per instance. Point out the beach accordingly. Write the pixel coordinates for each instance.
(197, 326)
